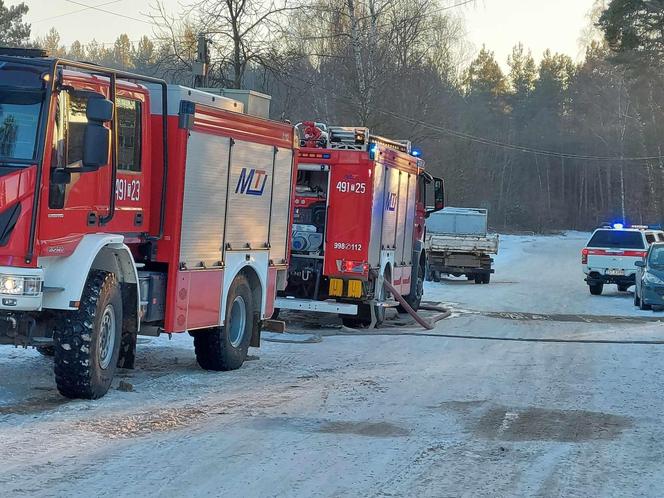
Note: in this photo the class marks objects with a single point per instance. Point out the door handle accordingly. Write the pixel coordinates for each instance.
(92, 219)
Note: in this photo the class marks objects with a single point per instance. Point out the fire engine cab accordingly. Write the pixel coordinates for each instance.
(132, 206)
(358, 219)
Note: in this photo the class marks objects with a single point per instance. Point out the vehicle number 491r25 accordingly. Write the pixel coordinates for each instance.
(352, 187)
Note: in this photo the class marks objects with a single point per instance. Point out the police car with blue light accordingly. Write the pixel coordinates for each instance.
(611, 253)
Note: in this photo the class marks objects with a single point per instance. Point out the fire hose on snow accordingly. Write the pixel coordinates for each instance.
(427, 324)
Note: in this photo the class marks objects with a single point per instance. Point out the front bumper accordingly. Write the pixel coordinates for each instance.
(652, 294)
(22, 302)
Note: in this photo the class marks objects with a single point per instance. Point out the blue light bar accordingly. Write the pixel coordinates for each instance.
(416, 152)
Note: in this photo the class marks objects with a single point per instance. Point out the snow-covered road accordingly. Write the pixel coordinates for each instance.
(538, 275)
(384, 415)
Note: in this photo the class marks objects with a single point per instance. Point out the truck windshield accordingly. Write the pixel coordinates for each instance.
(21, 102)
(617, 238)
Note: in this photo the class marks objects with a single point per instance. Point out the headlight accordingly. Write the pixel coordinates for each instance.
(20, 286)
(649, 278)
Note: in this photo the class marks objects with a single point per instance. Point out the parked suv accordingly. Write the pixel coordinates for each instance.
(649, 289)
(611, 252)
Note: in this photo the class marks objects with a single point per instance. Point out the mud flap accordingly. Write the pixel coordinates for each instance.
(256, 335)
(127, 356)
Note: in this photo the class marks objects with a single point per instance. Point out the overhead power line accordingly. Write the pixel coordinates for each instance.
(454, 6)
(93, 7)
(514, 147)
(75, 11)
(483, 140)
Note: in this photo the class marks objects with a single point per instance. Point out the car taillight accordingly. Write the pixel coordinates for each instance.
(636, 254)
(584, 257)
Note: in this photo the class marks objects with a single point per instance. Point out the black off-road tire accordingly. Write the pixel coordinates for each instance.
(353, 321)
(623, 288)
(486, 278)
(596, 289)
(414, 298)
(470, 277)
(356, 321)
(478, 279)
(436, 276)
(77, 339)
(214, 348)
(363, 317)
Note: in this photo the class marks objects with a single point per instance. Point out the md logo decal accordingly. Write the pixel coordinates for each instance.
(251, 182)
(391, 203)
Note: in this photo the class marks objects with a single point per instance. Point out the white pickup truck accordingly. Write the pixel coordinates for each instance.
(457, 244)
(611, 252)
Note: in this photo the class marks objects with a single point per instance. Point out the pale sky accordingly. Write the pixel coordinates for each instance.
(500, 24)
(538, 24)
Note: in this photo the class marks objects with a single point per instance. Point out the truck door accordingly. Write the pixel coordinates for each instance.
(78, 200)
(420, 209)
(75, 200)
(131, 189)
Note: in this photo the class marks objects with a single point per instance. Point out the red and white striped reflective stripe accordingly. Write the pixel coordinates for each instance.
(617, 252)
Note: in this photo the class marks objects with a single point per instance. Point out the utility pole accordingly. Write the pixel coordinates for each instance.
(202, 63)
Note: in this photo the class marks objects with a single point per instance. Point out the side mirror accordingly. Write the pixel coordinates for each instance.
(438, 196)
(439, 192)
(60, 176)
(96, 137)
(640, 264)
(99, 109)
(96, 146)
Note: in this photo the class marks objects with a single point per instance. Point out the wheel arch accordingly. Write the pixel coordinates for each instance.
(66, 275)
(254, 266)
(419, 260)
(257, 293)
(387, 270)
(255, 284)
(422, 259)
(117, 259)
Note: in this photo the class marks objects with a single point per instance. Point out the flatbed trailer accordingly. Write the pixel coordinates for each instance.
(457, 243)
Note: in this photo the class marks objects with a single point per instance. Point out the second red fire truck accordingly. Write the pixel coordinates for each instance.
(358, 219)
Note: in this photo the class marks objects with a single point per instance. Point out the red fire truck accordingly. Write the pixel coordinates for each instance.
(358, 219)
(131, 206)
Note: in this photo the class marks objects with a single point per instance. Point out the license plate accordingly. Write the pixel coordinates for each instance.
(615, 272)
